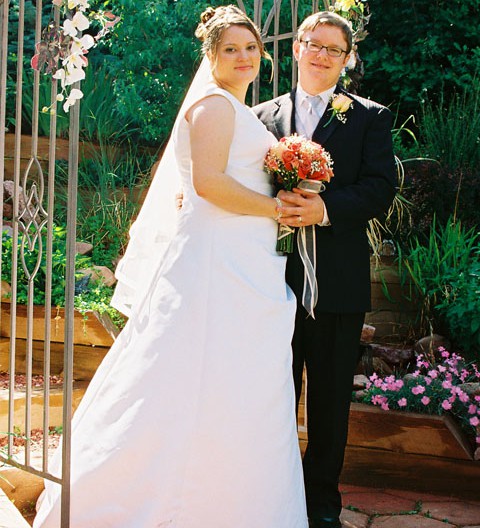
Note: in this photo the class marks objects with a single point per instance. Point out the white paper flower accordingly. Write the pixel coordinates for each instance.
(79, 22)
(74, 75)
(60, 75)
(73, 96)
(82, 4)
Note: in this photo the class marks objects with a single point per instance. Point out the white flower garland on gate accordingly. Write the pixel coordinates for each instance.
(62, 50)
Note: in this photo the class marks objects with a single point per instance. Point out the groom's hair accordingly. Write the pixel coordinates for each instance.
(327, 18)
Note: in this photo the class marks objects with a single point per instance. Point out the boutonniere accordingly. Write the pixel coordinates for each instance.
(339, 104)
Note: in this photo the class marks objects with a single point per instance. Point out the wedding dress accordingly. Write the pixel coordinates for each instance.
(189, 421)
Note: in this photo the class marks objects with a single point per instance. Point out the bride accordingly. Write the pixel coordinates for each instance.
(189, 422)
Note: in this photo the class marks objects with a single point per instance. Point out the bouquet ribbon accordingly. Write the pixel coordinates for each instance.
(306, 242)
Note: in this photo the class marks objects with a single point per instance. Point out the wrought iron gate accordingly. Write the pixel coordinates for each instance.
(31, 228)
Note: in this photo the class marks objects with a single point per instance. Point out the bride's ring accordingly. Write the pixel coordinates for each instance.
(299, 220)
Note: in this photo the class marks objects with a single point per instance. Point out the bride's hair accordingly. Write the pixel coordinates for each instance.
(214, 21)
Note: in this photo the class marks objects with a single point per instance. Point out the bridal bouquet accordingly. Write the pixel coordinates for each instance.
(297, 162)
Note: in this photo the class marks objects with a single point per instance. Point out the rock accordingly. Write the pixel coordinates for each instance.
(8, 191)
(100, 274)
(6, 291)
(83, 248)
(7, 229)
(472, 389)
(368, 332)
(359, 395)
(381, 367)
(476, 455)
(429, 345)
(392, 355)
(360, 382)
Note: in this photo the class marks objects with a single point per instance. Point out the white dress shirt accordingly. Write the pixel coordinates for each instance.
(308, 112)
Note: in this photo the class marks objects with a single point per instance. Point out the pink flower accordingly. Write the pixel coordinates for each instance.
(444, 353)
(472, 409)
(464, 375)
(425, 400)
(433, 374)
(402, 402)
(446, 405)
(385, 406)
(463, 396)
(447, 384)
(474, 421)
(378, 399)
(427, 380)
(418, 389)
(416, 374)
(477, 398)
(441, 369)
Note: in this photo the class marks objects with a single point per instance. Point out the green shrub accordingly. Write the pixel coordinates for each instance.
(110, 184)
(444, 275)
(416, 48)
(32, 257)
(450, 128)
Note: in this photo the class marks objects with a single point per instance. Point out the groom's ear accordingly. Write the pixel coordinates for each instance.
(296, 49)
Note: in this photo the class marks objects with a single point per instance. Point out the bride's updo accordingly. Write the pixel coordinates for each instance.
(214, 21)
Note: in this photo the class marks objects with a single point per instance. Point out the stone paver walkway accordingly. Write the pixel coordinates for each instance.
(387, 508)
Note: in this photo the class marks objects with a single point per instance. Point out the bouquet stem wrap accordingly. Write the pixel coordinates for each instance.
(285, 238)
(306, 242)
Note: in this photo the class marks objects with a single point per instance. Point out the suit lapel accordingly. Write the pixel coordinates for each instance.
(283, 118)
(324, 131)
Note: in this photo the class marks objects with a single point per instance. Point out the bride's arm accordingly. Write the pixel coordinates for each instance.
(211, 131)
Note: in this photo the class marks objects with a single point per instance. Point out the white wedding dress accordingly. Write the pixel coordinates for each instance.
(189, 421)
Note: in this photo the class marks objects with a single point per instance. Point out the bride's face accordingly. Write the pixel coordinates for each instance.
(237, 58)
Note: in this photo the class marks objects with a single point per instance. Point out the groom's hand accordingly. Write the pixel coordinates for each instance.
(301, 208)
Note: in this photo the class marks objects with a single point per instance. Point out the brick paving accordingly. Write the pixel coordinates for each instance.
(387, 508)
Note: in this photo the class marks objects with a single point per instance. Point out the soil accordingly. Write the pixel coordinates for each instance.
(38, 381)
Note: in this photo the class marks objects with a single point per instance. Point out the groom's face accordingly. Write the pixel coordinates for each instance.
(319, 71)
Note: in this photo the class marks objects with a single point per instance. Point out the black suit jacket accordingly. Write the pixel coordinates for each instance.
(362, 188)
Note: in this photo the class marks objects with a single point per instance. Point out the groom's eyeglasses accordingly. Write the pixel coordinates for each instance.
(314, 47)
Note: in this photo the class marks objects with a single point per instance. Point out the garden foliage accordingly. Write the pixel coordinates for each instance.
(417, 48)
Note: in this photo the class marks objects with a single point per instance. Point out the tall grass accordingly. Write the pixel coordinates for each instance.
(450, 129)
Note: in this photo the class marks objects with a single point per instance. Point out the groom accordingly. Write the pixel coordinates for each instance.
(358, 138)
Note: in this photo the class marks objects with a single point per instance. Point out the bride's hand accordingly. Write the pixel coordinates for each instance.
(301, 208)
(179, 200)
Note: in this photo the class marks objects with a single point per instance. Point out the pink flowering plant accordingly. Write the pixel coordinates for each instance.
(435, 387)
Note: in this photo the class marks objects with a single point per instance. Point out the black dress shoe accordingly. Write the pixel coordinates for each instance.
(323, 523)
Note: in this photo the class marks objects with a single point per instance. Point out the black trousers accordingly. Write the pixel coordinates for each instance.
(329, 348)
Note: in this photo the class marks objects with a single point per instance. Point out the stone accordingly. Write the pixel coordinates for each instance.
(429, 345)
(368, 331)
(392, 355)
(8, 192)
(360, 381)
(6, 290)
(7, 229)
(359, 395)
(381, 367)
(83, 248)
(472, 389)
(100, 274)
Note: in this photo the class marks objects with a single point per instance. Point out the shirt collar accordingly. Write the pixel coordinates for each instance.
(302, 95)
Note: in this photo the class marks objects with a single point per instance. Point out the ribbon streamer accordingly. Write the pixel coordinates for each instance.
(306, 242)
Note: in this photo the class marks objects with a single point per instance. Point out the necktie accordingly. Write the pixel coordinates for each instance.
(313, 114)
